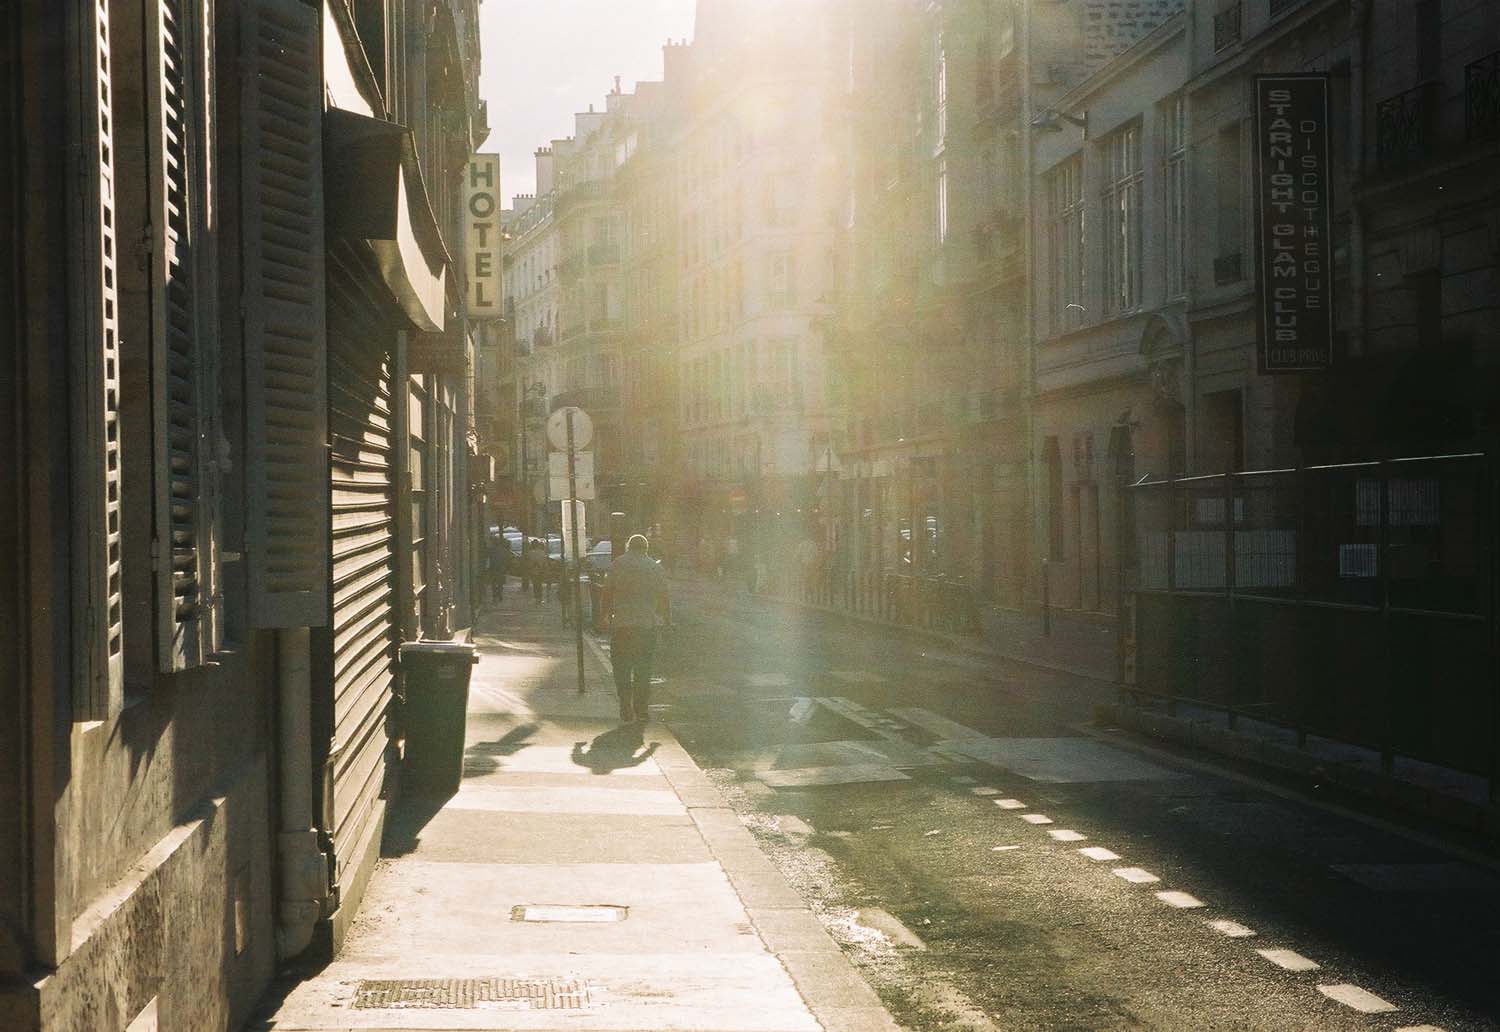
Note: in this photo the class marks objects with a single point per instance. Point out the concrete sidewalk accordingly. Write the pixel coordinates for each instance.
(585, 877)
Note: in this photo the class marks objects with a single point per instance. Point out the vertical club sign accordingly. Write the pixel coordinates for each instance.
(482, 237)
(1292, 207)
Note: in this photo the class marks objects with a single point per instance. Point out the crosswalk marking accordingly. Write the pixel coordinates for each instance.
(1136, 875)
(1036, 818)
(1099, 853)
(1180, 900)
(1419, 1028)
(1063, 835)
(1233, 929)
(1359, 999)
(1010, 804)
(1289, 960)
(985, 790)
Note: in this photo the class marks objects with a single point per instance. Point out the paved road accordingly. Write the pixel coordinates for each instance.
(990, 864)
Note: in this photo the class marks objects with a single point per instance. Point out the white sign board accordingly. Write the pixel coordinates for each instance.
(583, 475)
(557, 428)
(568, 511)
(482, 237)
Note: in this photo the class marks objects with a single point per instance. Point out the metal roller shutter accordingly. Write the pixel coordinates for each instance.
(362, 474)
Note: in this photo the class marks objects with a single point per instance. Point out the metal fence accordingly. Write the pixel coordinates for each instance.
(1353, 602)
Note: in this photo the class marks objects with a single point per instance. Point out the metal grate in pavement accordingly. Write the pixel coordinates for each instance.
(472, 994)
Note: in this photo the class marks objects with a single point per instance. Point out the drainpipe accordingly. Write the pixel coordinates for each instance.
(1028, 313)
(1358, 15)
(302, 865)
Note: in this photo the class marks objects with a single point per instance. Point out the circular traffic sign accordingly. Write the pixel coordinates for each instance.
(557, 428)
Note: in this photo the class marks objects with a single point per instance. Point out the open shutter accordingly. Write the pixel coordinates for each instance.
(286, 384)
(183, 339)
(99, 685)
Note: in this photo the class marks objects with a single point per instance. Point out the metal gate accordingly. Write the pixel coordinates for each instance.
(1353, 602)
(361, 647)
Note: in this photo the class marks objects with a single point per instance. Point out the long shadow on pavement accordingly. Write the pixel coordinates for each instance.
(613, 750)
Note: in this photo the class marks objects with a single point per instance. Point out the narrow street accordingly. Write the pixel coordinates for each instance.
(991, 861)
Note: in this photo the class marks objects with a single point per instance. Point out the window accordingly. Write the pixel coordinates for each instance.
(1065, 234)
(1230, 192)
(1121, 210)
(781, 284)
(1174, 185)
(1429, 39)
(940, 92)
(1052, 454)
(941, 214)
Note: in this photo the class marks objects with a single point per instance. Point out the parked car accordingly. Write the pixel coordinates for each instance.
(599, 559)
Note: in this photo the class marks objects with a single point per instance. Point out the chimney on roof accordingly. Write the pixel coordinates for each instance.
(617, 84)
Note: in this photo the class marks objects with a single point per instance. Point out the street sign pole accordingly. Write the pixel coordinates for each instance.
(577, 557)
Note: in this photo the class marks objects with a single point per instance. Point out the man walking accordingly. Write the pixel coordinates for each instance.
(634, 596)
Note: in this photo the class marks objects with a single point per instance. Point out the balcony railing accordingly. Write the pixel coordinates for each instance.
(1227, 27)
(1406, 128)
(1229, 268)
(1482, 98)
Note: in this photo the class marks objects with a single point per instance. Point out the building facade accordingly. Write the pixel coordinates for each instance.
(226, 359)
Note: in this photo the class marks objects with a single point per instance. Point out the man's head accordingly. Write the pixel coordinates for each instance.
(637, 544)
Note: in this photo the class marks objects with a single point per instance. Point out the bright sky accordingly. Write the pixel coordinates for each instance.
(543, 60)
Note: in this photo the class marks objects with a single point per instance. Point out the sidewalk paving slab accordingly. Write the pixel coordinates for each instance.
(561, 807)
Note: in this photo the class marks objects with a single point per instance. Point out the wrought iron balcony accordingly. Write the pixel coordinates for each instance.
(1482, 98)
(1227, 26)
(1406, 128)
(1229, 268)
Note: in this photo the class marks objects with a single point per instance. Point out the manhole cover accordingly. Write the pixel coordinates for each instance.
(592, 914)
(472, 994)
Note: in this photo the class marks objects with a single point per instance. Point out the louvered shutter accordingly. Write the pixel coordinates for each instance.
(97, 522)
(184, 341)
(285, 342)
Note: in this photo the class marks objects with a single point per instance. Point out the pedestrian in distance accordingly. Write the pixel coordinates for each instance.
(635, 599)
(499, 566)
(536, 562)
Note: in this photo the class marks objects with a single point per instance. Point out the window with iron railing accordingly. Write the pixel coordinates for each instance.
(1227, 27)
(1406, 127)
(1482, 98)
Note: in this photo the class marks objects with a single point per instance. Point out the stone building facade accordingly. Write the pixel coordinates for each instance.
(226, 353)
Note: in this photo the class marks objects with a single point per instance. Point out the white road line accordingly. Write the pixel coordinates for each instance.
(985, 790)
(1233, 929)
(1002, 849)
(1063, 835)
(1010, 804)
(1099, 853)
(1036, 818)
(1136, 875)
(1289, 960)
(1420, 1028)
(1359, 999)
(1180, 900)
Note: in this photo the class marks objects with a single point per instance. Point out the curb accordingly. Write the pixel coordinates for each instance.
(1475, 818)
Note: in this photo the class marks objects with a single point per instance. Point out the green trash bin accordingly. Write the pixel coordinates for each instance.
(436, 677)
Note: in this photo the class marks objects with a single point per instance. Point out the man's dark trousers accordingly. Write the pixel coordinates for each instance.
(631, 650)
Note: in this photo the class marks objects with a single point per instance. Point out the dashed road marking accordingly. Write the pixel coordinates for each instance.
(1063, 835)
(985, 790)
(1136, 875)
(1180, 900)
(1359, 999)
(1002, 849)
(1419, 1028)
(1289, 960)
(1036, 818)
(1010, 804)
(1233, 929)
(1099, 853)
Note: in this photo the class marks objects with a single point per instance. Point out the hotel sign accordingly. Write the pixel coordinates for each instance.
(482, 237)
(1292, 207)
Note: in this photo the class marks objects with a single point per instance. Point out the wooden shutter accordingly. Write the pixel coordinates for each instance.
(183, 337)
(99, 684)
(286, 386)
